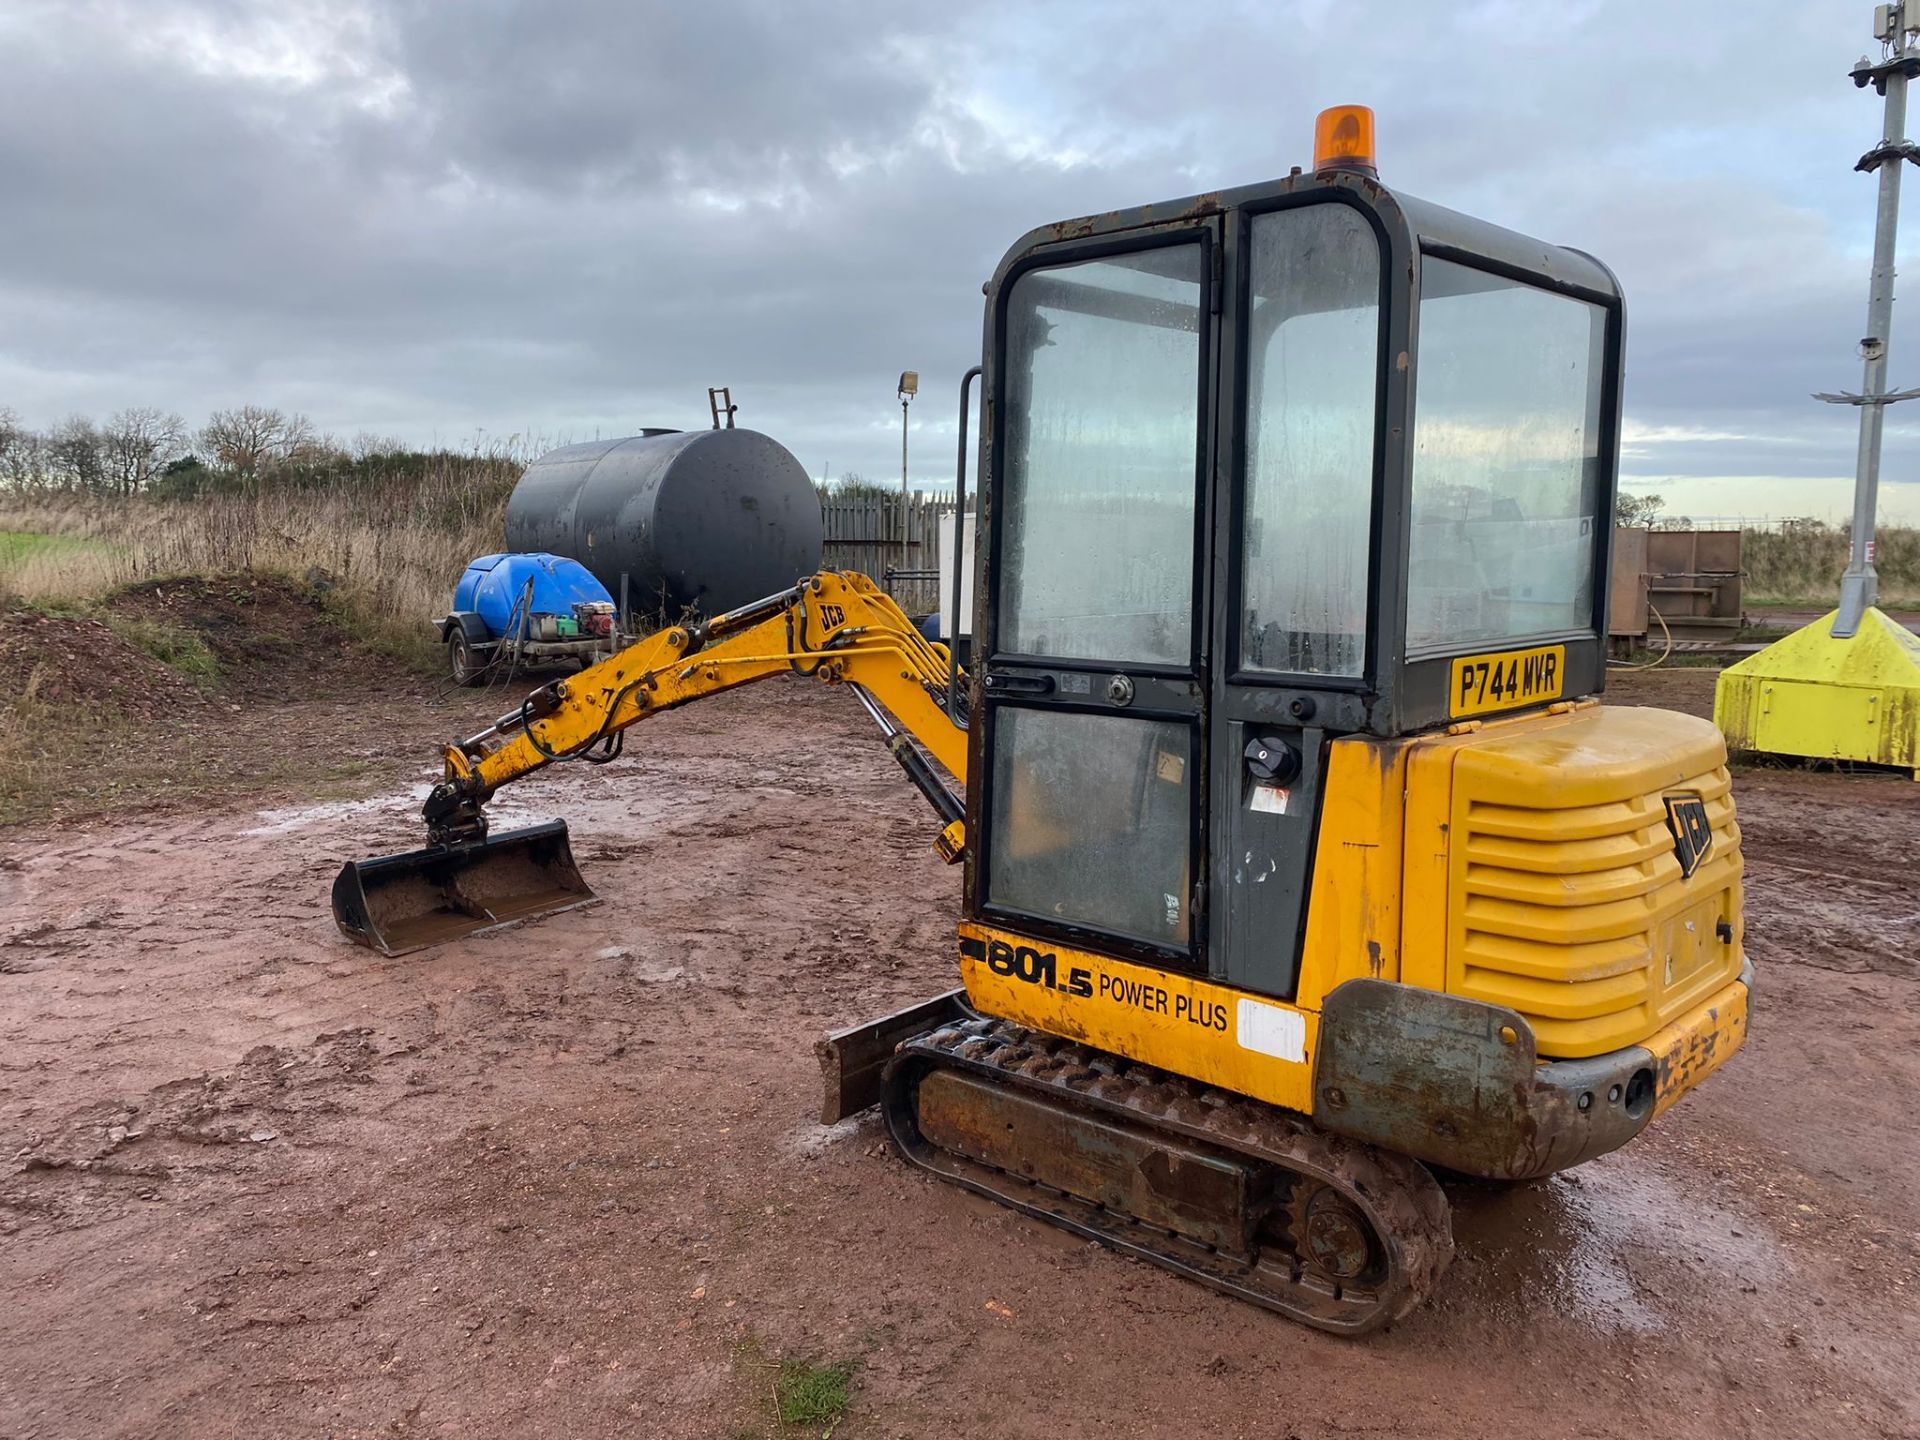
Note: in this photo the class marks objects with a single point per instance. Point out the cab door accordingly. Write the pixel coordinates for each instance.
(1297, 541)
(1101, 372)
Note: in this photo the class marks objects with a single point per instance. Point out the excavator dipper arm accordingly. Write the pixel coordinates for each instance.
(838, 628)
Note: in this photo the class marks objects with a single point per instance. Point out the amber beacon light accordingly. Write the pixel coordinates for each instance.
(1343, 139)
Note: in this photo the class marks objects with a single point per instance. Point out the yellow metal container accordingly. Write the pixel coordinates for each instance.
(1815, 696)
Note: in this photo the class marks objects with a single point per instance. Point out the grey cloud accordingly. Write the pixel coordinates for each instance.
(624, 94)
(572, 217)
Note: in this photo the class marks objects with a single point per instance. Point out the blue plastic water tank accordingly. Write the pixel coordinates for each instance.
(493, 584)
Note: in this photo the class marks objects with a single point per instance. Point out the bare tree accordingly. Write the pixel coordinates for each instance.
(19, 452)
(76, 455)
(366, 445)
(138, 443)
(254, 438)
(1637, 511)
(314, 449)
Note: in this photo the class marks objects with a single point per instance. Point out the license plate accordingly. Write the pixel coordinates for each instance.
(1510, 678)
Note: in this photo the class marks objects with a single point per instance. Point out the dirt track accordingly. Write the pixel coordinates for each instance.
(566, 1180)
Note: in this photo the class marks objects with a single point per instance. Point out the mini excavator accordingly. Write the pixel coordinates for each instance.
(1301, 859)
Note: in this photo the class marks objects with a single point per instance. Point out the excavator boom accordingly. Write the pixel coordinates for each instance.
(836, 627)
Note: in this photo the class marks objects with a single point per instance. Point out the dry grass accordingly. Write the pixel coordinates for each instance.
(386, 547)
(386, 555)
(1800, 563)
(32, 762)
(51, 764)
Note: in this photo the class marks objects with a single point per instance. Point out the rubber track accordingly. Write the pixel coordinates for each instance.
(1399, 1199)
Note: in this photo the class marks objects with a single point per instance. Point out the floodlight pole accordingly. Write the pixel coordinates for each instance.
(908, 388)
(903, 480)
(1894, 27)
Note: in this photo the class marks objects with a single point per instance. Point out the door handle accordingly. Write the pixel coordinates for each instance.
(1004, 684)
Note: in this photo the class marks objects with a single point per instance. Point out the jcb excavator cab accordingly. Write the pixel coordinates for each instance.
(1261, 469)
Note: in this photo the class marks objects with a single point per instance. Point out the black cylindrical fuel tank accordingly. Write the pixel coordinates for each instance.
(708, 519)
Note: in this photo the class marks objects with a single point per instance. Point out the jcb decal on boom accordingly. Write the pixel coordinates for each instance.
(832, 617)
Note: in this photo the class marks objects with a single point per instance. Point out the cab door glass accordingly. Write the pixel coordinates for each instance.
(1092, 815)
(1506, 446)
(1102, 434)
(1313, 360)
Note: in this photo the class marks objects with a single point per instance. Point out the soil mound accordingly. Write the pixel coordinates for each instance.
(84, 666)
(273, 640)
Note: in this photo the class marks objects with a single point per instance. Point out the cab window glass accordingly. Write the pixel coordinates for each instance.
(1102, 432)
(1506, 444)
(1091, 814)
(1313, 372)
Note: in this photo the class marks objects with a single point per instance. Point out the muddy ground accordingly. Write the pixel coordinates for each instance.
(566, 1180)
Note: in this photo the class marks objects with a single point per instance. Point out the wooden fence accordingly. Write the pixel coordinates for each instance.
(863, 533)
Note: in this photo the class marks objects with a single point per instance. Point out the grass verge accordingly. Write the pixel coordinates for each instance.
(54, 767)
(19, 546)
(89, 727)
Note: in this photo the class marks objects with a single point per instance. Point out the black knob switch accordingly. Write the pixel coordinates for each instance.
(1271, 761)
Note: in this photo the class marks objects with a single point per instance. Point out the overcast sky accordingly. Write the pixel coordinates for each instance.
(442, 219)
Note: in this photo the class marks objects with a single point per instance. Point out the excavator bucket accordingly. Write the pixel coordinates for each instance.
(397, 903)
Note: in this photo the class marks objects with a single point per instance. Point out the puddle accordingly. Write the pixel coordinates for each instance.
(609, 810)
(286, 822)
(608, 807)
(656, 972)
(1604, 1245)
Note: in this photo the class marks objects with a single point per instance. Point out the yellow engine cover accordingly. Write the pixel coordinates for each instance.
(1581, 868)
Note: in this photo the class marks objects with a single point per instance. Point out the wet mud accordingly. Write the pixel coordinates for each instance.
(565, 1179)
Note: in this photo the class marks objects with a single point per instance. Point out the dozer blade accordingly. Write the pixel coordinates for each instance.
(397, 903)
(851, 1060)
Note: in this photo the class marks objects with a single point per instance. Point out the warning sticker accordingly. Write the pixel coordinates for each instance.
(1270, 799)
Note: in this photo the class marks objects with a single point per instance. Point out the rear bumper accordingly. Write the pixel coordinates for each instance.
(1696, 1045)
(1457, 1083)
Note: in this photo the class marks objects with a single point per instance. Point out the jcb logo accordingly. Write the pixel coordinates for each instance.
(832, 617)
(1692, 835)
